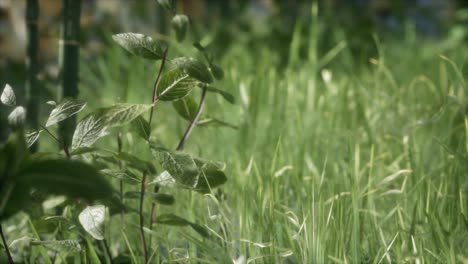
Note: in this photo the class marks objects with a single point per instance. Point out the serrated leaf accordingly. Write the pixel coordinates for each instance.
(8, 96)
(72, 178)
(175, 85)
(172, 219)
(62, 246)
(95, 125)
(180, 25)
(92, 219)
(141, 127)
(186, 107)
(217, 71)
(140, 45)
(161, 198)
(227, 96)
(68, 107)
(32, 137)
(17, 117)
(194, 68)
(126, 176)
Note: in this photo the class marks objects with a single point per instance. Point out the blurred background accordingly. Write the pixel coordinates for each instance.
(251, 24)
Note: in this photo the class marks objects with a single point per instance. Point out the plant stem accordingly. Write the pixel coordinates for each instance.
(10, 259)
(32, 89)
(193, 123)
(62, 145)
(142, 233)
(121, 187)
(69, 49)
(106, 246)
(156, 84)
(153, 212)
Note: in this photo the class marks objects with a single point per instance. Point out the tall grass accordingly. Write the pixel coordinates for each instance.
(333, 161)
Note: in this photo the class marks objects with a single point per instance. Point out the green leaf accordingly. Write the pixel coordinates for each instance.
(186, 107)
(217, 71)
(92, 219)
(32, 137)
(72, 178)
(95, 125)
(179, 165)
(48, 224)
(200, 230)
(172, 219)
(137, 163)
(194, 68)
(83, 150)
(168, 5)
(215, 121)
(62, 246)
(227, 96)
(180, 25)
(17, 117)
(161, 198)
(68, 107)
(140, 45)
(194, 173)
(175, 220)
(141, 127)
(126, 176)
(212, 175)
(175, 85)
(8, 96)
(91, 254)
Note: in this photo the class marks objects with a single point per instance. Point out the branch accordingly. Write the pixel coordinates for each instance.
(156, 84)
(10, 259)
(193, 123)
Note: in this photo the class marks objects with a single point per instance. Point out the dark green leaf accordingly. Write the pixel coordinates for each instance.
(48, 224)
(32, 137)
(217, 71)
(175, 85)
(161, 198)
(227, 96)
(180, 25)
(186, 107)
(141, 127)
(140, 45)
(200, 230)
(126, 176)
(95, 125)
(17, 117)
(68, 107)
(8, 96)
(92, 219)
(172, 219)
(62, 246)
(67, 177)
(194, 68)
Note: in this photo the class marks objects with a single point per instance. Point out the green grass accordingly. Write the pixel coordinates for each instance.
(368, 167)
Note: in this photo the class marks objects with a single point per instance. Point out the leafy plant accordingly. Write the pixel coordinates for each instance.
(85, 174)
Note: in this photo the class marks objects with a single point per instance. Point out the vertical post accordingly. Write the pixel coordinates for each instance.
(68, 61)
(32, 88)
